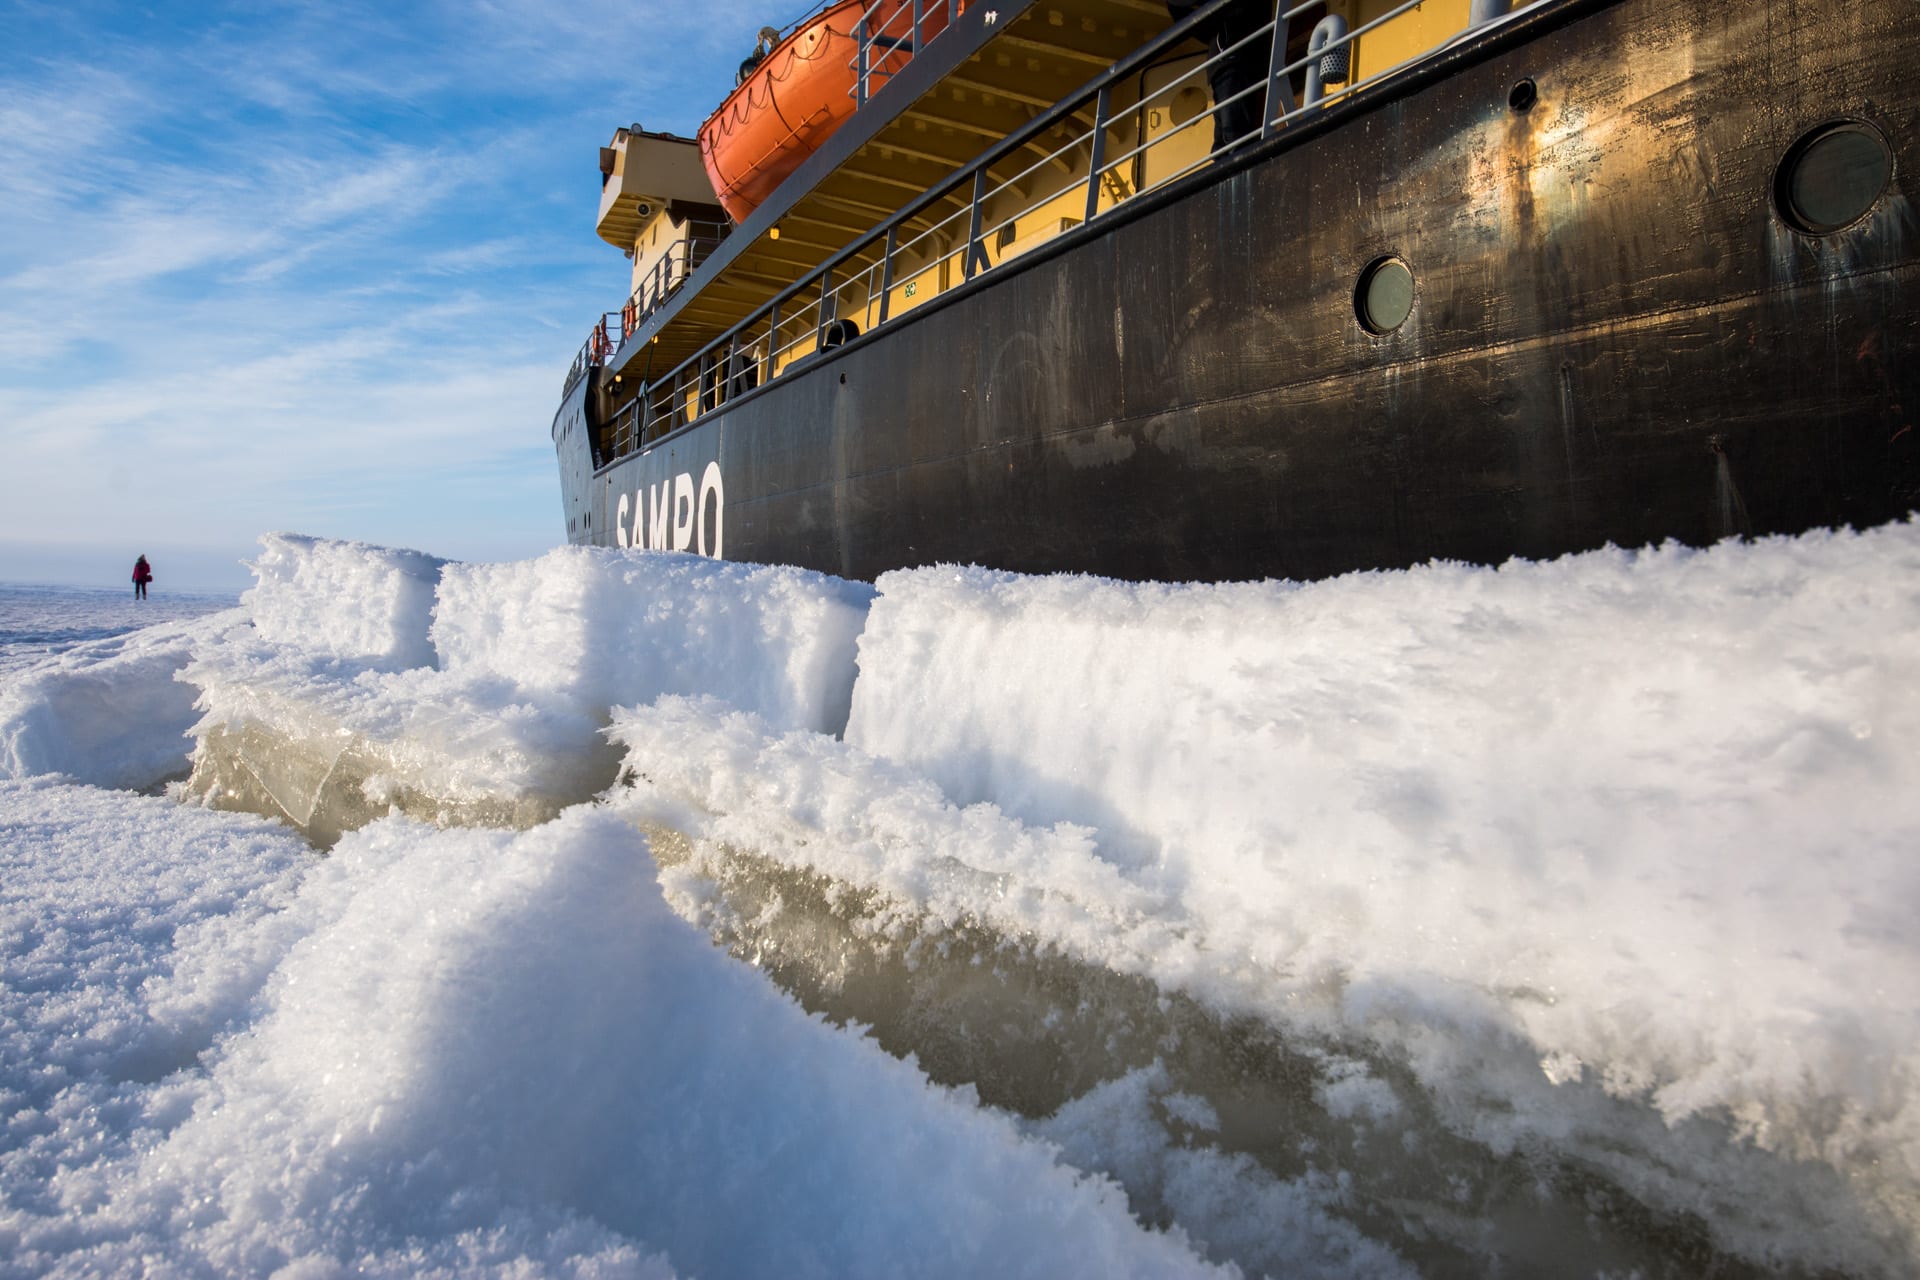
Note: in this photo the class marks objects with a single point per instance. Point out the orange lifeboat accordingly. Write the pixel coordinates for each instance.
(800, 93)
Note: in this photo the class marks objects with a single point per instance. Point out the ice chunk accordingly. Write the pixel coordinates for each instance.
(532, 657)
(346, 599)
(108, 712)
(1609, 857)
(603, 628)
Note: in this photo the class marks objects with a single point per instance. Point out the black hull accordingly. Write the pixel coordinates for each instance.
(1616, 337)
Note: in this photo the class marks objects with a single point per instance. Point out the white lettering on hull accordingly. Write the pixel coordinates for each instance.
(710, 484)
(682, 511)
(674, 514)
(657, 527)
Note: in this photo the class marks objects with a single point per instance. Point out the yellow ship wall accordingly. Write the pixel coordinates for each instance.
(1427, 25)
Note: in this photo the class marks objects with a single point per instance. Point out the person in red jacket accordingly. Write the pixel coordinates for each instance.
(142, 575)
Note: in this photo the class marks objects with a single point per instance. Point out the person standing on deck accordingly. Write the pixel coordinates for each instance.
(1242, 69)
(142, 575)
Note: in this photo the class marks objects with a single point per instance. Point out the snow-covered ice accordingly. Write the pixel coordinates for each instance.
(85, 690)
(488, 705)
(463, 1049)
(1551, 919)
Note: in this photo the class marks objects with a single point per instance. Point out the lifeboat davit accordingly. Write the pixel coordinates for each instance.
(799, 94)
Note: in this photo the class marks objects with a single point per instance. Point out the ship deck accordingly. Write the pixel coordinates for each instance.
(970, 87)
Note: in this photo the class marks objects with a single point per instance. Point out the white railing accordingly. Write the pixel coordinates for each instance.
(885, 44)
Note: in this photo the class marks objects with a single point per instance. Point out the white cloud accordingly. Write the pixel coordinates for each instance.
(319, 267)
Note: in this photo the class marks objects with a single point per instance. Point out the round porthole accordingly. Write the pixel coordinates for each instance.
(1384, 298)
(1832, 177)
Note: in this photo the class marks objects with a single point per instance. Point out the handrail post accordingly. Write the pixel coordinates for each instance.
(1278, 90)
(863, 60)
(829, 309)
(1485, 11)
(916, 25)
(973, 223)
(1101, 105)
(886, 271)
(773, 337)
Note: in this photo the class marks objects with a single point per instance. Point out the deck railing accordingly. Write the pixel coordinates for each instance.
(809, 311)
(664, 279)
(670, 271)
(885, 43)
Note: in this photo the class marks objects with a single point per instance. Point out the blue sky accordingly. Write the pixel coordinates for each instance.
(318, 268)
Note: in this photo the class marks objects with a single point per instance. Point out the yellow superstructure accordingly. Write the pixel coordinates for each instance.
(656, 206)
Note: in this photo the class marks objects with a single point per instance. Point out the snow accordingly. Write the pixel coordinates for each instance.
(629, 1079)
(1550, 919)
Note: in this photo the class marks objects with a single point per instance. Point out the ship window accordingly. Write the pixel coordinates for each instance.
(1384, 297)
(1832, 177)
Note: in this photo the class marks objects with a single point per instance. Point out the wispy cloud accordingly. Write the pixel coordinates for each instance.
(213, 229)
(56, 136)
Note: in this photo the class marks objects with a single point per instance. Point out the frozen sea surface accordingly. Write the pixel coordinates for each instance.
(39, 621)
(1546, 920)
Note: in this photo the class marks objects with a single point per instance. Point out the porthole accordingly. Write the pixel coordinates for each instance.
(1384, 297)
(1832, 177)
(1523, 95)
